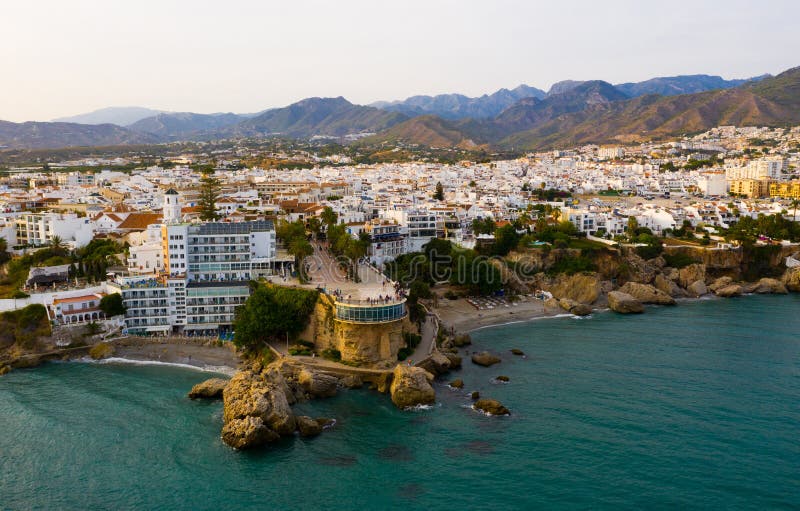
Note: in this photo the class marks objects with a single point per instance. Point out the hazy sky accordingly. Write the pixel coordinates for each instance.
(66, 57)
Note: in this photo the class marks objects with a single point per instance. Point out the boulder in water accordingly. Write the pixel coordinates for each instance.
(209, 389)
(645, 293)
(697, 288)
(491, 407)
(251, 395)
(573, 307)
(247, 433)
(458, 383)
(720, 283)
(503, 378)
(729, 291)
(436, 363)
(411, 387)
(518, 352)
(475, 395)
(307, 426)
(624, 303)
(485, 359)
(318, 384)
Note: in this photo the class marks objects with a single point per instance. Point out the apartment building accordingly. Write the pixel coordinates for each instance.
(39, 229)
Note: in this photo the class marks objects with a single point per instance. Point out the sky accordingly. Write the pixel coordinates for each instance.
(68, 57)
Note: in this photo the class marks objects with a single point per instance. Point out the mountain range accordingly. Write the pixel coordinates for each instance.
(571, 112)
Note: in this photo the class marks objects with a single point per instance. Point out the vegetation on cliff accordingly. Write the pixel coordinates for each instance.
(24, 326)
(273, 313)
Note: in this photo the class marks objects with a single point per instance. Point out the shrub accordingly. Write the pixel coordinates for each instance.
(331, 354)
(678, 260)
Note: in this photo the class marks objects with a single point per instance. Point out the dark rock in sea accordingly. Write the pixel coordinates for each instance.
(352, 381)
(517, 352)
(624, 303)
(455, 360)
(307, 426)
(475, 395)
(458, 383)
(318, 384)
(436, 363)
(491, 407)
(485, 359)
(502, 378)
(411, 386)
(247, 433)
(209, 389)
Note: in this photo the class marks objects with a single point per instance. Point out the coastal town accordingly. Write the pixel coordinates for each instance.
(201, 250)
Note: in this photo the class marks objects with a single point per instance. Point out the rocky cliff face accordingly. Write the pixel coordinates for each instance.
(411, 386)
(362, 344)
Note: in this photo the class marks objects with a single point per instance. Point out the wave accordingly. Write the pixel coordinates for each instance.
(228, 371)
(528, 320)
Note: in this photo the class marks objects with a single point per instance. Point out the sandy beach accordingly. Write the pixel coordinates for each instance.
(197, 354)
(464, 317)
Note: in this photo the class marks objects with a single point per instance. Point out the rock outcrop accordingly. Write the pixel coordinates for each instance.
(729, 291)
(491, 407)
(411, 386)
(668, 286)
(697, 288)
(458, 383)
(318, 384)
(485, 359)
(720, 283)
(436, 363)
(307, 426)
(766, 286)
(646, 293)
(209, 389)
(624, 303)
(573, 307)
(101, 350)
(791, 279)
(581, 288)
(247, 432)
(252, 404)
(691, 273)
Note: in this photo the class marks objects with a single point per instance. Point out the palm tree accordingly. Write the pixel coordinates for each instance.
(57, 244)
(795, 203)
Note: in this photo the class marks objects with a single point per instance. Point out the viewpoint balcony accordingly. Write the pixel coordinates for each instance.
(370, 311)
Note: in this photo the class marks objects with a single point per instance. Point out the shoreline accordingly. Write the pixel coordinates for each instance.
(223, 370)
(453, 315)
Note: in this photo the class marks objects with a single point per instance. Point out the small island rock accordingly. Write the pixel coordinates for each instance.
(247, 433)
(458, 383)
(491, 406)
(307, 426)
(485, 359)
(518, 352)
(411, 387)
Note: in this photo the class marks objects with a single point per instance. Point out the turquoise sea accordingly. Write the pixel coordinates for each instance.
(688, 407)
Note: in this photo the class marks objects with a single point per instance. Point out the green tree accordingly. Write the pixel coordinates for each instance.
(112, 305)
(4, 255)
(209, 194)
(329, 217)
(439, 193)
(273, 313)
(300, 248)
(633, 225)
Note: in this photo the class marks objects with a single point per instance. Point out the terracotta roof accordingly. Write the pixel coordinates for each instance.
(77, 299)
(140, 221)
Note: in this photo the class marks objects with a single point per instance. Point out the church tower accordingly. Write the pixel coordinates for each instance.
(172, 207)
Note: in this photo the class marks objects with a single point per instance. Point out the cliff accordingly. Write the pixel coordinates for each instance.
(360, 344)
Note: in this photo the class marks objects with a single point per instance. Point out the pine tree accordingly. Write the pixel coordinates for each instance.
(439, 195)
(209, 193)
